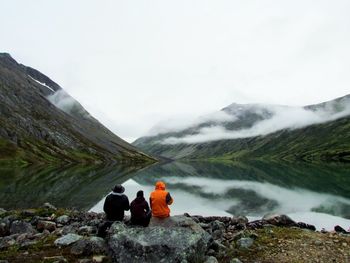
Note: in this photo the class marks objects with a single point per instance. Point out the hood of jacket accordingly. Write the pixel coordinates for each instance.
(139, 199)
(160, 185)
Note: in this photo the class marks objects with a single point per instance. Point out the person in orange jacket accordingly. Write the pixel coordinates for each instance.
(159, 201)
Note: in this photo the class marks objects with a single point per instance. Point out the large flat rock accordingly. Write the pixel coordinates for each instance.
(174, 239)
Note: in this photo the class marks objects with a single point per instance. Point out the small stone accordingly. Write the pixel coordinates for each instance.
(28, 213)
(237, 235)
(318, 242)
(28, 243)
(344, 244)
(3, 261)
(64, 219)
(254, 236)
(22, 237)
(19, 227)
(2, 211)
(55, 259)
(98, 258)
(217, 234)
(86, 247)
(245, 242)
(48, 225)
(85, 260)
(235, 260)
(49, 206)
(204, 225)
(67, 239)
(217, 225)
(95, 222)
(211, 259)
(239, 220)
(4, 229)
(87, 230)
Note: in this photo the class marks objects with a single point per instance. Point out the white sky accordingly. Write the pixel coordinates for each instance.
(134, 63)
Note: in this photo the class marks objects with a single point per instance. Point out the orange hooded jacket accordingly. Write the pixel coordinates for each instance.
(159, 201)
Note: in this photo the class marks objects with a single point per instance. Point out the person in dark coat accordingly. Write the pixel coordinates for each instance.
(116, 203)
(114, 206)
(140, 212)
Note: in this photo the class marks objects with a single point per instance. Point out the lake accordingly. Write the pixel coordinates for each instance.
(312, 193)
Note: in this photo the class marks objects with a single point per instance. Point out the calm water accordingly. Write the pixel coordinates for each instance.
(311, 193)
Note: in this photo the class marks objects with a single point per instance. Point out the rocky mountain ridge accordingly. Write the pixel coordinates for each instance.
(41, 123)
(315, 132)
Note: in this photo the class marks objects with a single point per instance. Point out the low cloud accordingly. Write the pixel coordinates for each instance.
(282, 118)
(68, 104)
(182, 123)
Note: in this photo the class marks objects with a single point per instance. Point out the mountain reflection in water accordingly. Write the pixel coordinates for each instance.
(68, 187)
(313, 193)
(307, 192)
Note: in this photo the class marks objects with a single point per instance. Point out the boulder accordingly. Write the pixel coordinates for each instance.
(279, 220)
(67, 239)
(64, 219)
(173, 239)
(19, 227)
(89, 246)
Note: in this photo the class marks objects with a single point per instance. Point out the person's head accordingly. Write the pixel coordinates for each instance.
(118, 189)
(160, 185)
(139, 194)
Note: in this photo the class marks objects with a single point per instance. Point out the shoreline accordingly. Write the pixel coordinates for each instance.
(46, 234)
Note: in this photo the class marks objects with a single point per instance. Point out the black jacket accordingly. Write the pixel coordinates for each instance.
(140, 212)
(115, 205)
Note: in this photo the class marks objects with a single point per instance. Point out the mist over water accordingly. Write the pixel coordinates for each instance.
(315, 194)
(305, 193)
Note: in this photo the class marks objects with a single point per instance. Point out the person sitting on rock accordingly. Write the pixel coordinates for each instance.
(159, 201)
(116, 203)
(114, 206)
(140, 212)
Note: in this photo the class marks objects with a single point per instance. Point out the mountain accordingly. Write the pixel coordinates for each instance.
(41, 123)
(310, 133)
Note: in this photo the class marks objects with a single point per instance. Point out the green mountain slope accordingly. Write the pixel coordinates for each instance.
(324, 141)
(41, 123)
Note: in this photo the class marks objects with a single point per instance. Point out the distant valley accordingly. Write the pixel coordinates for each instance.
(255, 131)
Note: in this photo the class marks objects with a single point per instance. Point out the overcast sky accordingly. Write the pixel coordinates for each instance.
(134, 63)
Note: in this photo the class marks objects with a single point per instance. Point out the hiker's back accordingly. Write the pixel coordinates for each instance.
(115, 205)
(159, 201)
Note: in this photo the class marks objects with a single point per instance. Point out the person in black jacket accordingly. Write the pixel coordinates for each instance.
(116, 203)
(114, 206)
(140, 212)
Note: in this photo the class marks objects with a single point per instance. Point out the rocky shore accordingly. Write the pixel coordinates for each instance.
(47, 234)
